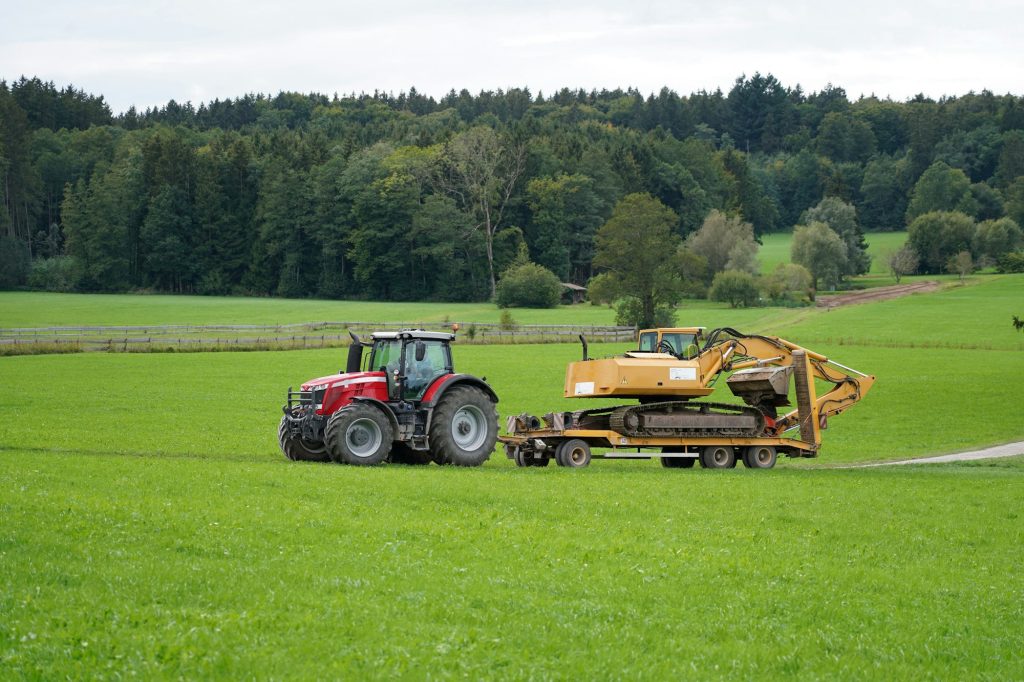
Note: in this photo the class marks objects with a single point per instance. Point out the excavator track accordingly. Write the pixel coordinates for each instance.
(685, 418)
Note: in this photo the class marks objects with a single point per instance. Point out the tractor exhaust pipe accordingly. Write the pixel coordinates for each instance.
(355, 355)
(583, 340)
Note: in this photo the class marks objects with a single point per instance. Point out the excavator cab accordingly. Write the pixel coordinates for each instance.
(682, 342)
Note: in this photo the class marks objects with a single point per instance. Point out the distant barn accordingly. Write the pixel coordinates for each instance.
(573, 293)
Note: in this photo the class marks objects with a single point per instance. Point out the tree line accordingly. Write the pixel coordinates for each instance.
(407, 197)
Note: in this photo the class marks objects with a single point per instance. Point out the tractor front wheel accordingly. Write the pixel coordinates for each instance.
(299, 449)
(463, 428)
(359, 434)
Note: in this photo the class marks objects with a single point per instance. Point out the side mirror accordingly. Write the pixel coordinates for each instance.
(421, 351)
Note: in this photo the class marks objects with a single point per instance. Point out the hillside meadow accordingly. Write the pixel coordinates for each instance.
(152, 529)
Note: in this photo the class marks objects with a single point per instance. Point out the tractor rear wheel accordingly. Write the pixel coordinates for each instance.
(359, 434)
(718, 457)
(463, 428)
(299, 449)
(401, 453)
(759, 457)
(573, 453)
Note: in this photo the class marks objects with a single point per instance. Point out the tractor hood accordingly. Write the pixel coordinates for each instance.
(337, 380)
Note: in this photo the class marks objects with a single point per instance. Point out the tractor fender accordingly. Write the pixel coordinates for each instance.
(384, 407)
(435, 392)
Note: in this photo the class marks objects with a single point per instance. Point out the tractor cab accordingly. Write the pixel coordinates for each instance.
(411, 360)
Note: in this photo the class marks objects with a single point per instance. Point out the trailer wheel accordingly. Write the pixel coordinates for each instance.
(759, 457)
(299, 449)
(573, 453)
(717, 457)
(401, 453)
(463, 428)
(359, 434)
(677, 462)
(524, 460)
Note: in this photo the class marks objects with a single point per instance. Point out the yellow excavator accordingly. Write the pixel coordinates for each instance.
(667, 374)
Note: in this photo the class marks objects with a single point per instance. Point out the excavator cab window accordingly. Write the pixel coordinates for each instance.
(648, 342)
(683, 345)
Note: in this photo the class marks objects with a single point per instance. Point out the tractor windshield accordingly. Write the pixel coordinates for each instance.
(385, 356)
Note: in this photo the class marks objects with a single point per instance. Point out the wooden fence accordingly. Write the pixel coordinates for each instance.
(162, 338)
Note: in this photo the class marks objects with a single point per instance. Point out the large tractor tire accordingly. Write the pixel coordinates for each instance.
(401, 453)
(359, 434)
(463, 428)
(299, 449)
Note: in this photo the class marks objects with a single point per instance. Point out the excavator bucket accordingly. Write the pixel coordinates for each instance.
(761, 385)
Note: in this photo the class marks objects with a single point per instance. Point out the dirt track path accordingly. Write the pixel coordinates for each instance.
(1008, 450)
(874, 295)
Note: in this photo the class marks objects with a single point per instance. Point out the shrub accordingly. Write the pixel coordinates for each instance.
(629, 313)
(528, 286)
(735, 287)
(961, 264)
(995, 238)
(1012, 262)
(938, 236)
(788, 283)
(903, 261)
(60, 273)
(506, 321)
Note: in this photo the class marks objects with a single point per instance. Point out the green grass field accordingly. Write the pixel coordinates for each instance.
(179, 567)
(38, 309)
(150, 527)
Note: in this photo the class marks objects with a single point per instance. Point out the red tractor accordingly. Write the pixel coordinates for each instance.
(404, 405)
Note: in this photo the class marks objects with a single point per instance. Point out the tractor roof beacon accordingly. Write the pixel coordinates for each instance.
(401, 403)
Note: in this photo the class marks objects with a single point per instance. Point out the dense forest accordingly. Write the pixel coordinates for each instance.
(405, 196)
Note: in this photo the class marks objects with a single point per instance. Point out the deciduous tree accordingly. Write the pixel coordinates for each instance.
(938, 236)
(636, 249)
(481, 172)
(823, 252)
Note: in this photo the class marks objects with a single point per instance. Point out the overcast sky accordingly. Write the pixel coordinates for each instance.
(146, 53)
